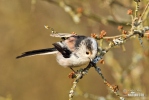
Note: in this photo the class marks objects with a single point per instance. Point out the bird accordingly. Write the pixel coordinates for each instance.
(72, 51)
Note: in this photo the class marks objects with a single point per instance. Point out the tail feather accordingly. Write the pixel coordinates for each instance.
(38, 52)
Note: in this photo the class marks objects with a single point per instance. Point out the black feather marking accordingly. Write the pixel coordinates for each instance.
(79, 40)
(34, 52)
(63, 50)
(88, 44)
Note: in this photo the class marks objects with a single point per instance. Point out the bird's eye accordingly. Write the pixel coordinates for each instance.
(87, 53)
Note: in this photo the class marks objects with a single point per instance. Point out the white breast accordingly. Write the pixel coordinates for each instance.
(73, 61)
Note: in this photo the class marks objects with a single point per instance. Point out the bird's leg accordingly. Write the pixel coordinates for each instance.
(72, 69)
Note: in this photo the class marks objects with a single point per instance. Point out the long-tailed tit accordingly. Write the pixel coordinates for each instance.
(72, 51)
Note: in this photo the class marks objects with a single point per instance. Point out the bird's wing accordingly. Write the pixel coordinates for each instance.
(62, 49)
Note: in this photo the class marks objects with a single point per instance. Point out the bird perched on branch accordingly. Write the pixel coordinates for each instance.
(72, 51)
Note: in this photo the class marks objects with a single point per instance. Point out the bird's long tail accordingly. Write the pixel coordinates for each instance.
(38, 52)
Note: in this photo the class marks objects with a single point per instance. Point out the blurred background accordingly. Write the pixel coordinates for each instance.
(40, 77)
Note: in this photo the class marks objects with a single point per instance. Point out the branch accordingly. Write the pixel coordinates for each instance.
(79, 75)
(146, 10)
(72, 11)
(113, 88)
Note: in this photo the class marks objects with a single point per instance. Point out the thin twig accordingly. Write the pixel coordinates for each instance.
(113, 88)
(71, 93)
(136, 10)
(144, 11)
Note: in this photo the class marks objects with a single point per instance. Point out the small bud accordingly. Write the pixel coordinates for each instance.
(108, 39)
(102, 61)
(120, 28)
(124, 32)
(72, 75)
(102, 34)
(115, 88)
(107, 83)
(93, 35)
(74, 33)
(79, 10)
(129, 12)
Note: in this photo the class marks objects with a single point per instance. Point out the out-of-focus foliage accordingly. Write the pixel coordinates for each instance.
(40, 77)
